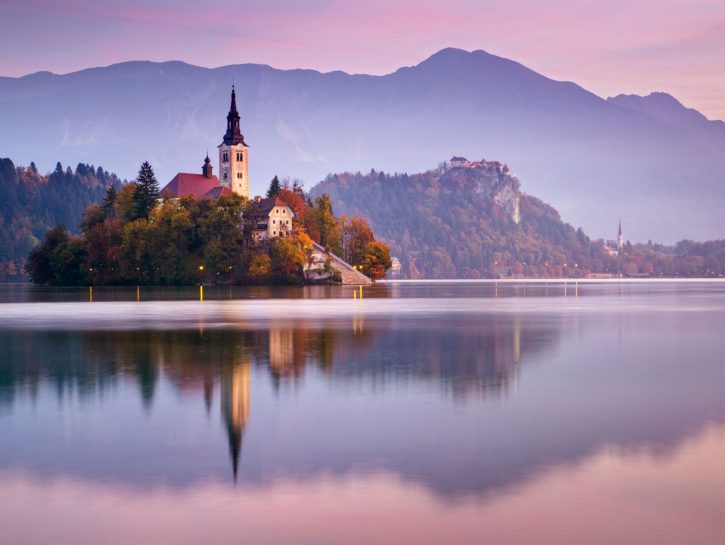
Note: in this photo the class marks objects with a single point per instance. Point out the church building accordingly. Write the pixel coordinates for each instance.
(234, 155)
(233, 167)
(615, 247)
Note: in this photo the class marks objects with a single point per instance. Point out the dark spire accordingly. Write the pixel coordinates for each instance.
(619, 233)
(206, 169)
(235, 448)
(234, 133)
(233, 107)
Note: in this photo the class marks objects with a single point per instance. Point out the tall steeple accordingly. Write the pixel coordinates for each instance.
(620, 237)
(234, 154)
(234, 133)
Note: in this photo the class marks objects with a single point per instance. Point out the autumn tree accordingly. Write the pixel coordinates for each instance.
(355, 235)
(376, 260)
(327, 227)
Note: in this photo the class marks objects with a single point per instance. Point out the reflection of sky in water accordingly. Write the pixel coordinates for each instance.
(435, 422)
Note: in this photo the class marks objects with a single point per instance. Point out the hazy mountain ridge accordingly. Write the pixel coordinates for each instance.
(593, 159)
(666, 108)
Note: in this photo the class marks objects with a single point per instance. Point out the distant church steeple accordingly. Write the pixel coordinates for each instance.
(620, 237)
(234, 154)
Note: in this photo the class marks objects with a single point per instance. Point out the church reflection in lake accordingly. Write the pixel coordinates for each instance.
(464, 358)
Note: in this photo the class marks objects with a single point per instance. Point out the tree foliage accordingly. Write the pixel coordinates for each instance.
(184, 241)
(147, 191)
(274, 188)
(449, 223)
(131, 238)
(31, 203)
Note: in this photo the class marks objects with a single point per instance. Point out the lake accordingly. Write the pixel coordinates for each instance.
(428, 413)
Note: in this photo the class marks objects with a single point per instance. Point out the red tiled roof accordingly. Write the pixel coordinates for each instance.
(218, 191)
(185, 184)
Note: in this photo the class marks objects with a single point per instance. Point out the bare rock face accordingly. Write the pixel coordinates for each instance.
(489, 179)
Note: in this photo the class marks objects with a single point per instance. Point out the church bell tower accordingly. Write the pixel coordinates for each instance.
(234, 155)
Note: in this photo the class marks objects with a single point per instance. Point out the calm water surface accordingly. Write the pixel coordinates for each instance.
(424, 413)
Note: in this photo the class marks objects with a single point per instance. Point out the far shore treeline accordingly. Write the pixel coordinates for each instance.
(133, 237)
(435, 227)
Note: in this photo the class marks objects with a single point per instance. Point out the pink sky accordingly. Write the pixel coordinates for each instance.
(609, 47)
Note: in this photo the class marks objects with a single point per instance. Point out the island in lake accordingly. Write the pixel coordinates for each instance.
(204, 229)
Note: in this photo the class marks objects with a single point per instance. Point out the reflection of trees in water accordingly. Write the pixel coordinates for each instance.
(477, 354)
(463, 357)
(468, 356)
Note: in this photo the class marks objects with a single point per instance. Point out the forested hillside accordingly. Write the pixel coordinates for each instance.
(466, 223)
(32, 203)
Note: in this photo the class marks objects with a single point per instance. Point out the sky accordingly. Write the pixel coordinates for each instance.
(608, 46)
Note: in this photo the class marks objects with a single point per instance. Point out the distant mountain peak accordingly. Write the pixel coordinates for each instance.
(454, 55)
(663, 107)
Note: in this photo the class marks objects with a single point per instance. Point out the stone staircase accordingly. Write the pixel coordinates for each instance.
(348, 274)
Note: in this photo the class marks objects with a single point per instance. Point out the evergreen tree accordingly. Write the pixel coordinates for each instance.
(274, 188)
(109, 201)
(147, 191)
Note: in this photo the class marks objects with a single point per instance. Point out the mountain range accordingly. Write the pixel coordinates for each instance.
(650, 161)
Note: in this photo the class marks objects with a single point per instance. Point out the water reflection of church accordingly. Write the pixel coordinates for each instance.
(466, 358)
(234, 385)
(482, 363)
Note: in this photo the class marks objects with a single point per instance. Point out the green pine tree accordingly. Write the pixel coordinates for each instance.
(108, 202)
(147, 191)
(274, 188)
